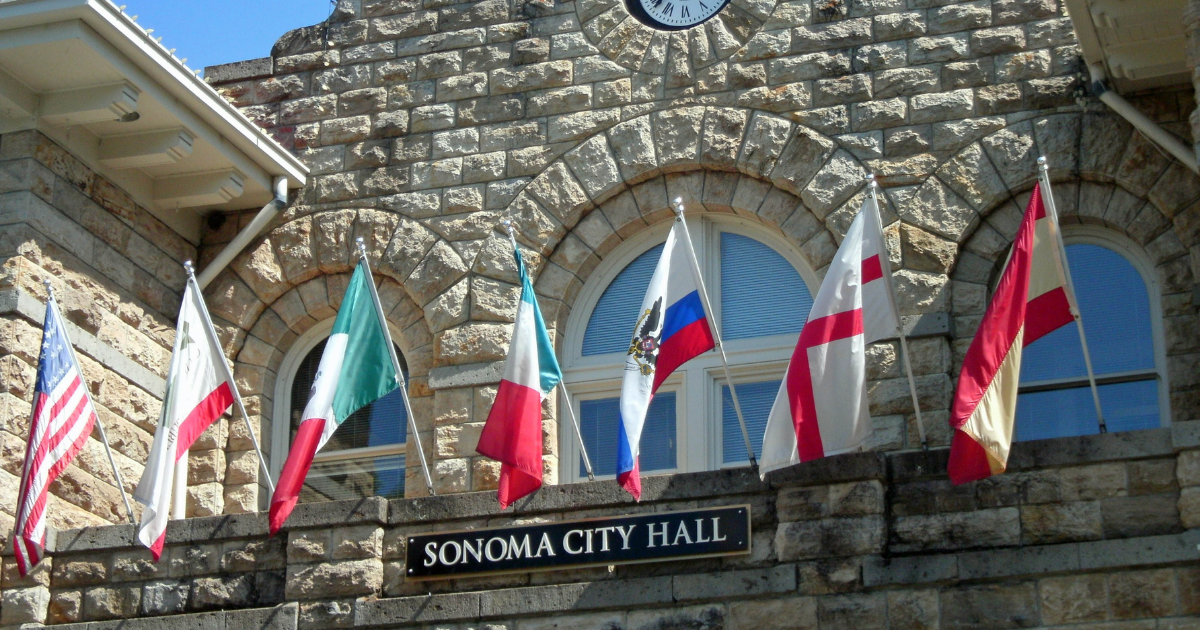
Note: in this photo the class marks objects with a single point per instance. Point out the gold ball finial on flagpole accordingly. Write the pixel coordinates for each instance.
(1042, 164)
(679, 206)
(871, 181)
(508, 225)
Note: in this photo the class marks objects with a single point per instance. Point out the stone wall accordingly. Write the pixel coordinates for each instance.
(118, 276)
(426, 123)
(1100, 530)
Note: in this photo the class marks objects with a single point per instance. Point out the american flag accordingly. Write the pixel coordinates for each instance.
(62, 421)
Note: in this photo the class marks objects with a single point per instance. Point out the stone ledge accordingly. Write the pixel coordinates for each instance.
(1185, 434)
(927, 325)
(1032, 560)
(281, 617)
(579, 596)
(1036, 454)
(575, 496)
(388, 612)
(239, 70)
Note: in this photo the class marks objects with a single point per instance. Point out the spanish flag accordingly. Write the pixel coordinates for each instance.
(1030, 302)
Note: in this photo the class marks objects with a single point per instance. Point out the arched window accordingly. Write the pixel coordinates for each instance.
(759, 289)
(1119, 302)
(365, 456)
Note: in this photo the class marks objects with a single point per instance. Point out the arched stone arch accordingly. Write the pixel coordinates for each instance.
(295, 277)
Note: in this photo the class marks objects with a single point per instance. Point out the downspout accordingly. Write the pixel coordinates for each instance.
(243, 238)
(1140, 121)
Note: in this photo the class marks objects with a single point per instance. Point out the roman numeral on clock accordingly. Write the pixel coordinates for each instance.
(669, 9)
(683, 11)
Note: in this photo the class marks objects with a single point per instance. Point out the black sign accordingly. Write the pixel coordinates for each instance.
(574, 544)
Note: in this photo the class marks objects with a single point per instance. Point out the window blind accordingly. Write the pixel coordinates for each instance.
(382, 422)
(1067, 412)
(355, 478)
(599, 420)
(761, 292)
(1116, 316)
(610, 326)
(756, 400)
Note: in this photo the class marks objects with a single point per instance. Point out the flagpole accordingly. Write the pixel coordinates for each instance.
(712, 325)
(237, 395)
(99, 425)
(912, 383)
(1048, 198)
(412, 420)
(587, 462)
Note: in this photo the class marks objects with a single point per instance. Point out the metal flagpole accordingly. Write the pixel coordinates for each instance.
(412, 421)
(737, 407)
(886, 265)
(587, 462)
(237, 395)
(99, 425)
(1048, 199)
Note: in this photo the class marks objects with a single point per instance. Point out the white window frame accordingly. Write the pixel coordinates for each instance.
(1136, 256)
(697, 382)
(281, 416)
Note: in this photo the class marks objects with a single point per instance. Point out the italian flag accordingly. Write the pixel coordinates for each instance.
(513, 433)
(1031, 301)
(355, 370)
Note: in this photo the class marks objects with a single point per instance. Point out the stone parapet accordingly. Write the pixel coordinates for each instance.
(871, 538)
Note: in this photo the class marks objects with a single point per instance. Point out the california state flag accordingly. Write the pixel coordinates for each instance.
(513, 433)
(1030, 301)
(355, 370)
(198, 392)
(821, 408)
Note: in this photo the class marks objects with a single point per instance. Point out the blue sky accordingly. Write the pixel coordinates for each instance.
(211, 32)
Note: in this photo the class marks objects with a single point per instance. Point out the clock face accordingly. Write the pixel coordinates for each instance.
(675, 15)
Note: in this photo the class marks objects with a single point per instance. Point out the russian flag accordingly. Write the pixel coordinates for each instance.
(513, 433)
(672, 327)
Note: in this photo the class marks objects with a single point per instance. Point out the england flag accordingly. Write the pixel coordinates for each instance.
(821, 408)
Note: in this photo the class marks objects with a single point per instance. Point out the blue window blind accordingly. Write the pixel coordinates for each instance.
(1115, 305)
(761, 292)
(1063, 412)
(379, 423)
(599, 419)
(355, 478)
(1116, 315)
(756, 400)
(610, 327)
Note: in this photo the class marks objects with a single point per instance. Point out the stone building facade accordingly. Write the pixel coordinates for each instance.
(425, 124)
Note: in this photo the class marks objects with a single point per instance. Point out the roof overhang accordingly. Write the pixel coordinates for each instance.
(85, 74)
(1141, 43)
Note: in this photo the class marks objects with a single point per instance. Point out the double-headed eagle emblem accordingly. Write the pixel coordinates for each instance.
(643, 349)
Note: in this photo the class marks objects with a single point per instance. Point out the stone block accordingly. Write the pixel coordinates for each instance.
(101, 602)
(1061, 522)
(349, 578)
(912, 610)
(708, 617)
(1141, 594)
(24, 605)
(772, 614)
(219, 593)
(852, 612)
(65, 607)
(990, 606)
(1073, 599)
(1146, 515)
(829, 537)
(879, 571)
(164, 597)
(734, 584)
(80, 571)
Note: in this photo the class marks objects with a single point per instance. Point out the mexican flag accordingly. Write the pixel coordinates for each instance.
(355, 370)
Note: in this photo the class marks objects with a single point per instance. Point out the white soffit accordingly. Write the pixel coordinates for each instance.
(72, 68)
(1140, 42)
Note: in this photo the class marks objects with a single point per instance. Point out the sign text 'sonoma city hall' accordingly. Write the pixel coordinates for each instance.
(572, 544)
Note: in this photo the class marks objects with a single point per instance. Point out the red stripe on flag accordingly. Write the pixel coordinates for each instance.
(1045, 314)
(871, 269)
(968, 460)
(513, 437)
(817, 332)
(205, 413)
(688, 342)
(295, 469)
